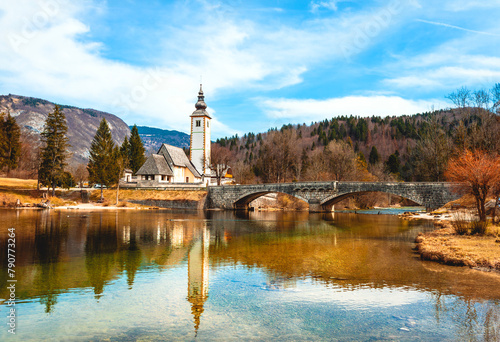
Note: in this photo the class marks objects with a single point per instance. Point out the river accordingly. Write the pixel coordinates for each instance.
(162, 275)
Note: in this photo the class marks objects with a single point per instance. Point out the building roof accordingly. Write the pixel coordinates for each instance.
(155, 165)
(175, 156)
(201, 106)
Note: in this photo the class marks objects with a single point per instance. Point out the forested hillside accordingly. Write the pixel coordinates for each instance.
(410, 147)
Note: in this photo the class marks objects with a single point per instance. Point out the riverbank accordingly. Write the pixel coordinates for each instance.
(443, 245)
(22, 194)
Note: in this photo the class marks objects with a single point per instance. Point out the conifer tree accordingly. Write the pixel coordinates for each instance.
(54, 151)
(125, 152)
(136, 156)
(118, 167)
(10, 145)
(374, 157)
(101, 164)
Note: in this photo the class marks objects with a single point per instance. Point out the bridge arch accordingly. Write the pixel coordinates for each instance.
(243, 201)
(328, 203)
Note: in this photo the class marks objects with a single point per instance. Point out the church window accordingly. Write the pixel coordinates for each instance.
(208, 124)
(198, 123)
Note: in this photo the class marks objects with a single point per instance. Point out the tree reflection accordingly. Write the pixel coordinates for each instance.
(130, 258)
(50, 234)
(100, 246)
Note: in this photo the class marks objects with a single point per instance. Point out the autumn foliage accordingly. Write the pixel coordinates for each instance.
(479, 172)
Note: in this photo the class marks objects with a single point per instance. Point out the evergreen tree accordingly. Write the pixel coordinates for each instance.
(374, 156)
(136, 157)
(116, 171)
(11, 146)
(125, 152)
(393, 164)
(102, 163)
(54, 151)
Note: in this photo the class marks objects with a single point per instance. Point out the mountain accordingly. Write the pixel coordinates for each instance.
(152, 138)
(31, 113)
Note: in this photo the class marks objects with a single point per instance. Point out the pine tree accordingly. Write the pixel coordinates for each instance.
(102, 164)
(125, 153)
(136, 156)
(11, 146)
(374, 156)
(54, 151)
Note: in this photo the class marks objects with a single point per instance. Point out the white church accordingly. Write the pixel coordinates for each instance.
(170, 165)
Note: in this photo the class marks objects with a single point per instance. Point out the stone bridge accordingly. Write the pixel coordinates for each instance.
(321, 196)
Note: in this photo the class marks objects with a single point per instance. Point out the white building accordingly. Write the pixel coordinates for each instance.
(171, 165)
(199, 151)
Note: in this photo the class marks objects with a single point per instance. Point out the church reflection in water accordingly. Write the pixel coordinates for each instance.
(198, 275)
(93, 252)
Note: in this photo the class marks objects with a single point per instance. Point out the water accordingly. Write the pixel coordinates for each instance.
(164, 275)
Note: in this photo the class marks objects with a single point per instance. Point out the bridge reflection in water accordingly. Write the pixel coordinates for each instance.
(69, 252)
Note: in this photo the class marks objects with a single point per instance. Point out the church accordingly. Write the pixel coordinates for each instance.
(170, 165)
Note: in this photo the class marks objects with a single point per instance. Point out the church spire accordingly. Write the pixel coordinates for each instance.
(201, 100)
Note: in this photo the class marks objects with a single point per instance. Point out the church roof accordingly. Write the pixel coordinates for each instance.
(201, 106)
(176, 156)
(155, 165)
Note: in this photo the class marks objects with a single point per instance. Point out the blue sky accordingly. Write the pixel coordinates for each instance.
(262, 63)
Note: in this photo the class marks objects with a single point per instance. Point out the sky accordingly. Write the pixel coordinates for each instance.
(262, 63)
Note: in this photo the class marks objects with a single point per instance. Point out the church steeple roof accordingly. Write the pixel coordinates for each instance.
(200, 106)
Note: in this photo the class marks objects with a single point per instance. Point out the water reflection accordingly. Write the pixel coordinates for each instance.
(363, 262)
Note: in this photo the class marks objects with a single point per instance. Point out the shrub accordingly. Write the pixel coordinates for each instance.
(478, 227)
(461, 222)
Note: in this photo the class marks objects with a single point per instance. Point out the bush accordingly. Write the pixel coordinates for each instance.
(461, 223)
(478, 227)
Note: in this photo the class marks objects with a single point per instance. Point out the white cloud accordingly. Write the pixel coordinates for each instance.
(468, 5)
(330, 5)
(356, 105)
(43, 53)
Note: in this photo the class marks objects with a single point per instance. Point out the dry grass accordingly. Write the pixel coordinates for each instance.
(17, 183)
(168, 195)
(445, 246)
(8, 198)
(287, 202)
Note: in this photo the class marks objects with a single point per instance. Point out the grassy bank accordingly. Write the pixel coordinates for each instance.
(447, 247)
(19, 192)
(16, 183)
(167, 195)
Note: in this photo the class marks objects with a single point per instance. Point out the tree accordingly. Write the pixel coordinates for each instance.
(54, 151)
(11, 146)
(80, 174)
(125, 152)
(430, 155)
(393, 164)
(340, 160)
(117, 168)
(101, 164)
(478, 172)
(374, 156)
(219, 161)
(136, 156)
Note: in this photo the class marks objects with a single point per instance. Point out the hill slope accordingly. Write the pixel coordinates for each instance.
(152, 138)
(31, 113)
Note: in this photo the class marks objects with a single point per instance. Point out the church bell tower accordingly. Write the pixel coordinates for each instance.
(199, 151)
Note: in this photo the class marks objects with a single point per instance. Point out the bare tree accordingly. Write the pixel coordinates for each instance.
(479, 173)
(242, 173)
(340, 159)
(219, 161)
(80, 173)
(432, 152)
(461, 97)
